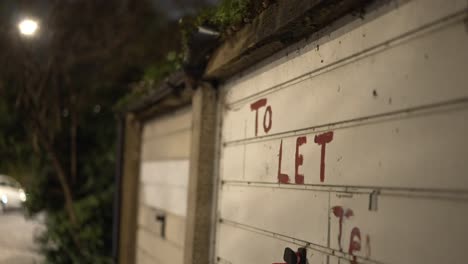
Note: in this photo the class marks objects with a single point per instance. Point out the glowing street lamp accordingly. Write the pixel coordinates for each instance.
(28, 27)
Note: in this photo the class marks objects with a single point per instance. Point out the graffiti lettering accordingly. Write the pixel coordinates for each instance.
(339, 212)
(282, 177)
(354, 243)
(267, 126)
(322, 140)
(355, 235)
(299, 178)
(267, 122)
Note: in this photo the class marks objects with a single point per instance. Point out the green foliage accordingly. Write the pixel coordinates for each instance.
(228, 13)
(99, 80)
(94, 197)
(94, 191)
(17, 157)
(80, 70)
(22, 158)
(152, 76)
(93, 213)
(161, 69)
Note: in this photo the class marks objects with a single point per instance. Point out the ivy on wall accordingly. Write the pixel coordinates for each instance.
(227, 17)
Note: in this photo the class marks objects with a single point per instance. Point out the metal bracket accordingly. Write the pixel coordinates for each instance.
(373, 199)
(162, 218)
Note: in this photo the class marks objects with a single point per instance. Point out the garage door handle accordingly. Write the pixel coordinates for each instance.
(162, 219)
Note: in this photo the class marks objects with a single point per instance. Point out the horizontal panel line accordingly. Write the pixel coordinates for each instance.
(148, 255)
(161, 211)
(166, 135)
(302, 243)
(164, 159)
(407, 113)
(158, 236)
(165, 162)
(221, 260)
(454, 18)
(160, 157)
(162, 184)
(428, 193)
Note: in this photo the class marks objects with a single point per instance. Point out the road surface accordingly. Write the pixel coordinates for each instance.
(16, 239)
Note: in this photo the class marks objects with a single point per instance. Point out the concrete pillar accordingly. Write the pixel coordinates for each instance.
(201, 179)
(129, 187)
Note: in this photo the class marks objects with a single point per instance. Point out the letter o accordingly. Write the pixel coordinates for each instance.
(267, 127)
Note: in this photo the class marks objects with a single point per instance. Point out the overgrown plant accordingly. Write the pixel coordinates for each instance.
(58, 125)
(228, 13)
(222, 17)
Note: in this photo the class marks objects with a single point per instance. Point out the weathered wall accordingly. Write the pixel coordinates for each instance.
(352, 145)
(163, 183)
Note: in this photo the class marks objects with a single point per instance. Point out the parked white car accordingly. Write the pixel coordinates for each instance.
(11, 193)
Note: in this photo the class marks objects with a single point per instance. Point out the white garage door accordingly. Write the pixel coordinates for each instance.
(163, 188)
(352, 146)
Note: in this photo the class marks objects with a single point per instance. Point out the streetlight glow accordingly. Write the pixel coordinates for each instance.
(28, 27)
